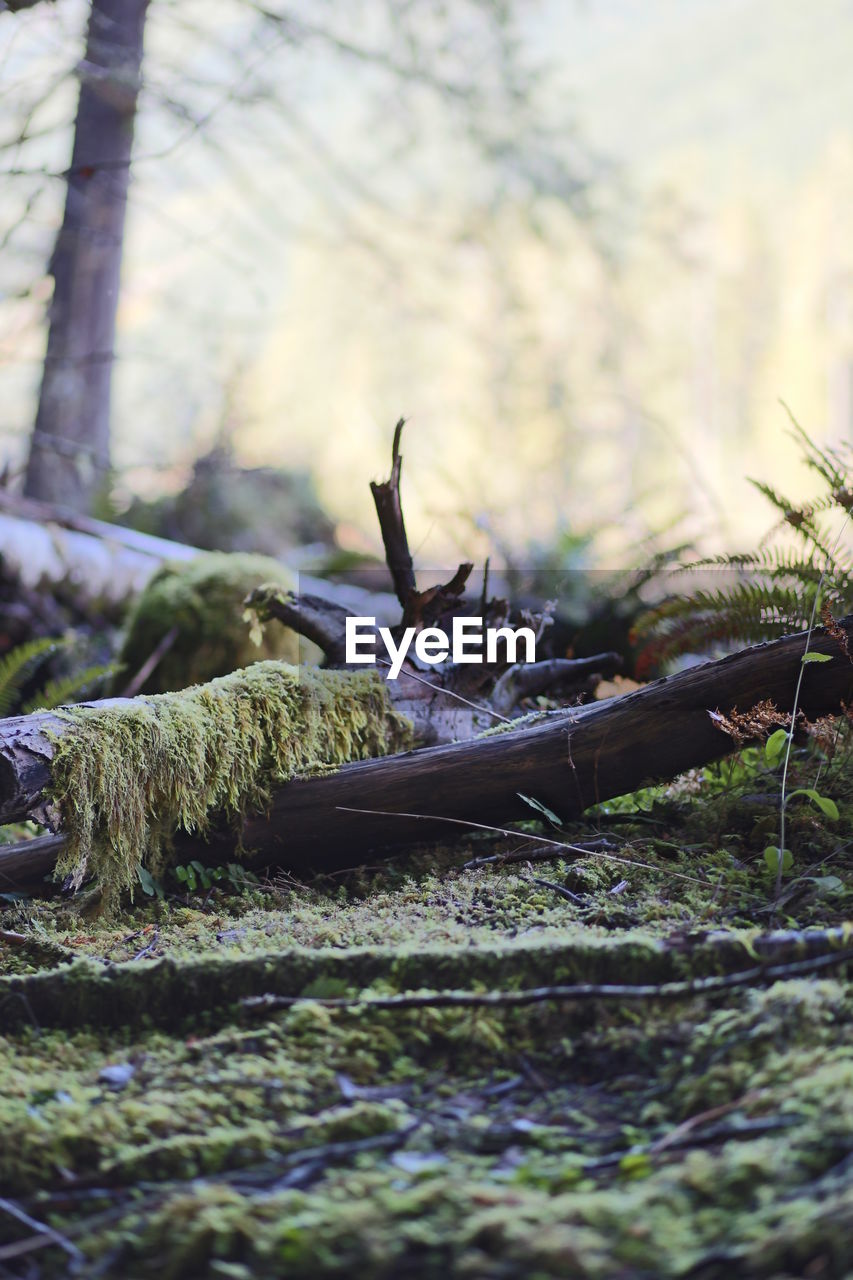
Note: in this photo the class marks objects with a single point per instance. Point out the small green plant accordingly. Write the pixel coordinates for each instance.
(734, 771)
(20, 666)
(770, 592)
(641, 801)
(194, 875)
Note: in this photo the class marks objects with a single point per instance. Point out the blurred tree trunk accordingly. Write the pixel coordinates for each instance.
(70, 446)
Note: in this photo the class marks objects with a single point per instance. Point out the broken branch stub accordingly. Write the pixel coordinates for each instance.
(389, 510)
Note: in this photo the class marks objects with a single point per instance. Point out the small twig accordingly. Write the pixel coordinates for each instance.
(557, 845)
(290, 1168)
(713, 1113)
(451, 693)
(560, 889)
(151, 663)
(716, 1133)
(532, 855)
(149, 947)
(304, 1165)
(577, 991)
(485, 592)
(44, 1235)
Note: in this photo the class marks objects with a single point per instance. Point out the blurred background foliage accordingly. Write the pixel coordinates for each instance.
(585, 247)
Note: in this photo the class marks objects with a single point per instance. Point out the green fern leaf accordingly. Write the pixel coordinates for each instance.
(56, 693)
(19, 665)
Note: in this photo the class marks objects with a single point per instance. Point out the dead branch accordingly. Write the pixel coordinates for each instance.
(386, 497)
(318, 620)
(574, 991)
(527, 680)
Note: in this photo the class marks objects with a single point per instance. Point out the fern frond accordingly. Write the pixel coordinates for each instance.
(774, 588)
(830, 464)
(782, 504)
(19, 665)
(56, 693)
(747, 613)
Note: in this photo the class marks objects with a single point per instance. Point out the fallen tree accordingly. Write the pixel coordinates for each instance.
(43, 547)
(567, 760)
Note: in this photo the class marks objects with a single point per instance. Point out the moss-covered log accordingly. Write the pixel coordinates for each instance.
(120, 777)
(168, 993)
(123, 777)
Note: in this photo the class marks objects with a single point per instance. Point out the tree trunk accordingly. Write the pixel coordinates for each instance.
(568, 762)
(70, 447)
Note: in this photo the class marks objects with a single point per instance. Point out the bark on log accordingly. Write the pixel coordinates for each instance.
(569, 761)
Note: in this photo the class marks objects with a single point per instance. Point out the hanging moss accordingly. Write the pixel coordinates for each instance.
(125, 778)
(203, 599)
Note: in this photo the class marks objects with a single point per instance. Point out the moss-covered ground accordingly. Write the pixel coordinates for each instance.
(157, 1119)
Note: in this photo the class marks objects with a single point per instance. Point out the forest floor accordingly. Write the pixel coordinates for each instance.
(160, 1117)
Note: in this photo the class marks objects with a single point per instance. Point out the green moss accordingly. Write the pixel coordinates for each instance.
(677, 1138)
(125, 778)
(203, 599)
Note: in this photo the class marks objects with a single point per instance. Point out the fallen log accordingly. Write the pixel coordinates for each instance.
(569, 760)
(165, 993)
(42, 546)
(28, 861)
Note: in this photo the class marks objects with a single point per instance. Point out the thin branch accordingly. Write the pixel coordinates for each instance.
(151, 663)
(44, 1235)
(450, 693)
(576, 991)
(316, 619)
(556, 845)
